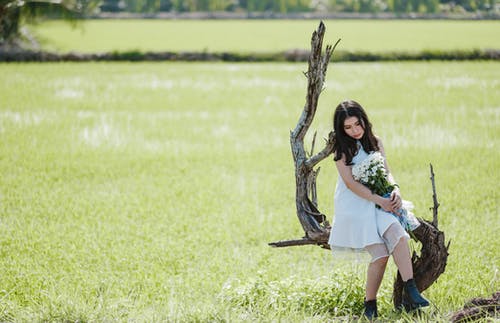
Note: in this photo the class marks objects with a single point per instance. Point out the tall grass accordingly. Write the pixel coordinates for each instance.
(149, 192)
(257, 36)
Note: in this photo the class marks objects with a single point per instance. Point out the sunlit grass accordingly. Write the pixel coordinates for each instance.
(251, 36)
(149, 192)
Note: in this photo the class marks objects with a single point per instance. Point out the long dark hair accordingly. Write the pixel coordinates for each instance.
(344, 144)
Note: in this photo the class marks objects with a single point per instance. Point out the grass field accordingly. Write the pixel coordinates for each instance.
(149, 192)
(251, 36)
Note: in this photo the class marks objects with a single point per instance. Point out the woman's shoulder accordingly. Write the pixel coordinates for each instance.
(379, 141)
(379, 144)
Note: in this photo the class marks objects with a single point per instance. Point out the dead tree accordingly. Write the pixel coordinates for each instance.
(314, 223)
(432, 261)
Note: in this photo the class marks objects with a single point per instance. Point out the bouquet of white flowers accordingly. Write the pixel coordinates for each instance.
(371, 172)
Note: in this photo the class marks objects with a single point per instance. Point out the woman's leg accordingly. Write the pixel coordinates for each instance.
(401, 256)
(375, 274)
(397, 243)
(397, 240)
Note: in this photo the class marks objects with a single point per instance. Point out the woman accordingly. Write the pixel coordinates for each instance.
(359, 224)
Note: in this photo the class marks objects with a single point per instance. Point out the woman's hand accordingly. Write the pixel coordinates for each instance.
(396, 201)
(392, 204)
(385, 203)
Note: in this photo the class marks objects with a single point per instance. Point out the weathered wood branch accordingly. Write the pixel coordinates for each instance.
(317, 67)
(312, 220)
(434, 199)
(479, 308)
(328, 150)
(301, 242)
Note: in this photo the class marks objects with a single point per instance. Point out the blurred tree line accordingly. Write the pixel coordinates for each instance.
(295, 6)
(12, 12)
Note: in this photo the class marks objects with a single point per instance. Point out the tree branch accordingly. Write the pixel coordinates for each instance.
(434, 200)
(328, 150)
(291, 243)
(316, 75)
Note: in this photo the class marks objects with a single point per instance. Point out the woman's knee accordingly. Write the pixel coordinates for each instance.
(394, 236)
(381, 261)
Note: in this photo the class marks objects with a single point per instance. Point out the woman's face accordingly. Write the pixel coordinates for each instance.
(353, 128)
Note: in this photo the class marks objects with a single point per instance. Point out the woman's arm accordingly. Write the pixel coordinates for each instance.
(396, 199)
(359, 189)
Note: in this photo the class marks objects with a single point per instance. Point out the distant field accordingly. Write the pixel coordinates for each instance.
(265, 35)
(148, 192)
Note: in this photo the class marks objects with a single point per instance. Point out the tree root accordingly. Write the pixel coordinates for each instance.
(478, 308)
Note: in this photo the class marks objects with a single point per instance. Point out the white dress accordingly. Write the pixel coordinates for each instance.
(358, 223)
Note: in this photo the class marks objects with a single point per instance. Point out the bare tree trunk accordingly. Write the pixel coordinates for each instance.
(9, 22)
(434, 253)
(314, 223)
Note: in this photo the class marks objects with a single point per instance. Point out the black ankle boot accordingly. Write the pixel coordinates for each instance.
(371, 309)
(411, 296)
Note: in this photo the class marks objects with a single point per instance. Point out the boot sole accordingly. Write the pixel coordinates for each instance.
(411, 307)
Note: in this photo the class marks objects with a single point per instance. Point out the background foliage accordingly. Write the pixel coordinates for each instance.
(293, 6)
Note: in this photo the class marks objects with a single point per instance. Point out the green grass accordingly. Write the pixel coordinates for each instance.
(266, 35)
(148, 192)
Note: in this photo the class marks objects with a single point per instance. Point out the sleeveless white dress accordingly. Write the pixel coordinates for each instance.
(357, 222)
